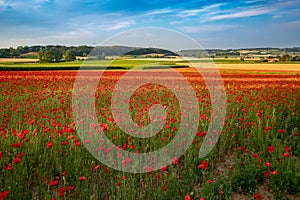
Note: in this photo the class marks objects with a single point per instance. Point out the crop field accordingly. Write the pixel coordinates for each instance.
(257, 155)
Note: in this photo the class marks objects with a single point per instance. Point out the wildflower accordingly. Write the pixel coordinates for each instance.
(96, 167)
(258, 196)
(203, 165)
(286, 155)
(187, 197)
(281, 131)
(221, 192)
(268, 164)
(274, 172)
(54, 183)
(271, 149)
(286, 148)
(254, 155)
(50, 144)
(209, 181)
(82, 178)
(16, 160)
(164, 188)
(164, 168)
(4, 194)
(118, 183)
(174, 160)
(17, 145)
(149, 169)
(62, 191)
(126, 161)
(71, 187)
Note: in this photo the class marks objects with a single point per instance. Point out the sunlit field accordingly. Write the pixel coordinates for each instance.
(256, 157)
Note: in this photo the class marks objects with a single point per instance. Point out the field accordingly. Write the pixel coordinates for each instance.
(256, 157)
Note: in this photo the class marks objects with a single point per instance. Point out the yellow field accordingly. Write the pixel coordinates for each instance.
(18, 60)
(267, 67)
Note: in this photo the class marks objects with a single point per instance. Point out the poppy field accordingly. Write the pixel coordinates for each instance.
(257, 155)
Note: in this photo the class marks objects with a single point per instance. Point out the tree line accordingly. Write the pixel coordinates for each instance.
(53, 49)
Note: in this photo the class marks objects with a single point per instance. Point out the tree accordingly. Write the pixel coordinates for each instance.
(69, 55)
(48, 56)
(285, 58)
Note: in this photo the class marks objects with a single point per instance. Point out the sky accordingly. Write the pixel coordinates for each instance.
(213, 24)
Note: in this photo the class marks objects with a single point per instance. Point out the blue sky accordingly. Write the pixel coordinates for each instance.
(214, 24)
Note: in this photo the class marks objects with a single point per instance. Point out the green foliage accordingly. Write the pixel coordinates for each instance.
(69, 56)
(49, 56)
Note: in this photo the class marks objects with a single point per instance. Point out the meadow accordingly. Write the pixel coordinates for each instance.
(256, 157)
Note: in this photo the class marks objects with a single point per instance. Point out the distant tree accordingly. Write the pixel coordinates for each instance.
(101, 57)
(242, 59)
(285, 58)
(48, 56)
(69, 55)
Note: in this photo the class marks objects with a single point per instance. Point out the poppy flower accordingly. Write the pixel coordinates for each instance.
(203, 165)
(71, 187)
(4, 194)
(126, 161)
(16, 160)
(62, 191)
(164, 168)
(54, 183)
(187, 197)
(50, 144)
(268, 164)
(271, 149)
(286, 148)
(286, 155)
(274, 172)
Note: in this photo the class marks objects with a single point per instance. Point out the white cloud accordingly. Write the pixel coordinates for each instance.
(118, 25)
(207, 28)
(195, 12)
(241, 14)
(160, 12)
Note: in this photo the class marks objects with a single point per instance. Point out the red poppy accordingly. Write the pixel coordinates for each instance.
(274, 172)
(164, 168)
(258, 196)
(82, 178)
(204, 165)
(209, 181)
(4, 194)
(286, 155)
(71, 187)
(62, 191)
(164, 188)
(126, 161)
(255, 155)
(286, 148)
(96, 167)
(174, 160)
(187, 197)
(271, 149)
(16, 160)
(54, 183)
(17, 145)
(50, 144)
(268, 164)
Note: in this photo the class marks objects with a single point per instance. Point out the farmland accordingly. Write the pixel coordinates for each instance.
(257, 156)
